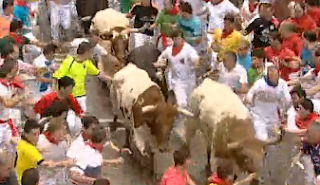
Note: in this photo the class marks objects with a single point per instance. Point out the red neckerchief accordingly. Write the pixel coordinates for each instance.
(21, 3)
(304, 124)
(19, 39)
(176, 50)
(225, 33)
(50, 138)
(253, 6)
(216, 180)
(15, 83)
(316, 70)
(85, 136)
(94, 146)
(275, 21)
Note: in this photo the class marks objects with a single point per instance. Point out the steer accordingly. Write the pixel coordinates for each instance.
(226, 125)
(139, 100)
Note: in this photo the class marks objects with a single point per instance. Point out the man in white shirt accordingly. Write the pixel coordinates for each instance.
(267, 97)
(183, 59)
(89, 123)
(218, 9)
(233, 74)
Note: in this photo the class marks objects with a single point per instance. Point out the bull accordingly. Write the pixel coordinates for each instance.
(139, 101)
(110, 29)
(226, 126)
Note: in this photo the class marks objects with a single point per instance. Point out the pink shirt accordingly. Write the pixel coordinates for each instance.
(173, 177)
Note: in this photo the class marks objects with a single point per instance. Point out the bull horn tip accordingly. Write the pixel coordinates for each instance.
(185, 112)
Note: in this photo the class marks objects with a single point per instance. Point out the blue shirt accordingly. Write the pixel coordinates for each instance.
(190, 27)
(22, 13)
(44, 86)
(245, 61)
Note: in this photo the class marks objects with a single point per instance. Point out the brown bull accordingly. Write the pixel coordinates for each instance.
(226, 126)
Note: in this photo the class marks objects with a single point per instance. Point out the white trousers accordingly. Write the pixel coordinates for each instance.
(182, 91)
(74, 122)
(263, 126)
(59, 15)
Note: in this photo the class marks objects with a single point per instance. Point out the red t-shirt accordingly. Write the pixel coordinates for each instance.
(284, 54)
(314, 13)
(216, 180)
(294, 43)
(305, 23)
(173, 177)
(48, 99)
(304, 124)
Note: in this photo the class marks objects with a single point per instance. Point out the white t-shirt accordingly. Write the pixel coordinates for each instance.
(218, 12)
(267, 100)
(50, 151)
(233, 78)
(77, 145)
(182, 65)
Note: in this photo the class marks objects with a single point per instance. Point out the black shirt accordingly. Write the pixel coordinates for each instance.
(144, 14)
(262, 29)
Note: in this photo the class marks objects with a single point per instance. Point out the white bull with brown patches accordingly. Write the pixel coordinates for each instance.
(226, 125)
(137, 99)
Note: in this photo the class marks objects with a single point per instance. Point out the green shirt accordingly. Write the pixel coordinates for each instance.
(253, 75)
(78, 72)
(164, 19)
(9, 39)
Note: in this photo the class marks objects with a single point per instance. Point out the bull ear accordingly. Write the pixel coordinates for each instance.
(148, 108)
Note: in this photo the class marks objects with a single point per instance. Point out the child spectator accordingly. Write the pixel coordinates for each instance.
(244, 54)
(257, 69)
(178, 174)
(307, 53)
(89, 162)
(30, 177)
(45, 62)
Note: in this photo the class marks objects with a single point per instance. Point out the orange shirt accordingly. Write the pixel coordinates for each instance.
(5, 25)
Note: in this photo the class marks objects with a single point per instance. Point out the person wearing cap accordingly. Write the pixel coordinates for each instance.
(78, 67)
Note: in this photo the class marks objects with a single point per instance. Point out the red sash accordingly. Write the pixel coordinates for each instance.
(13, 128)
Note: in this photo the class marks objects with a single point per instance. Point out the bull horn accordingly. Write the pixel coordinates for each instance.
(247, 179)
(148, 108)
(114, 34)
(233, 145)
(86, 18)
(185, 112)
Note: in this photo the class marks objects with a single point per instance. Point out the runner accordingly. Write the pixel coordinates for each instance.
(182, 59)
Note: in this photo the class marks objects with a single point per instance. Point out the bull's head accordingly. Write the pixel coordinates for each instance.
(249, 153)
(165, 115)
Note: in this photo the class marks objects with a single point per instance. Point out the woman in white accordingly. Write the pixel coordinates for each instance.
(53, 146)
(182, 61)
(248, 12)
